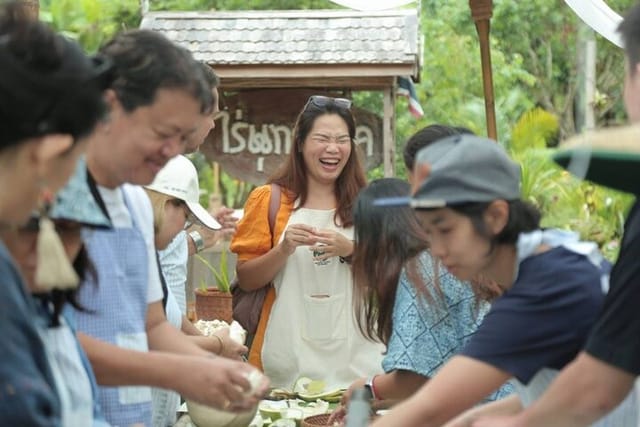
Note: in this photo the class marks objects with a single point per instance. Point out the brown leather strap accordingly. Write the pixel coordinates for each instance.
(274, 205)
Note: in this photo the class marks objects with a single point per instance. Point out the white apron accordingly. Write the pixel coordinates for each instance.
(311, 330)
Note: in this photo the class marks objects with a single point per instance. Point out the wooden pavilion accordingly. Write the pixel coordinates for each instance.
(270, 61)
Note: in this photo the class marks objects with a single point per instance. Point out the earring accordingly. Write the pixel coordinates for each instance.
(54, 270)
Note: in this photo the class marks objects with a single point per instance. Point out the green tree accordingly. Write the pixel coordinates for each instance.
(542, 35)
(450, 89)
(240, 4)
(91, 22)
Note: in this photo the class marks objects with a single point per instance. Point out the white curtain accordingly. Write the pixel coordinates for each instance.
(599, 16)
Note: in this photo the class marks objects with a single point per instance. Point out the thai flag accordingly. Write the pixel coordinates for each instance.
(408, 90)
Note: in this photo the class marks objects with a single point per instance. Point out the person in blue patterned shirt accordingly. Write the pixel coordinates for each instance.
(415, 306)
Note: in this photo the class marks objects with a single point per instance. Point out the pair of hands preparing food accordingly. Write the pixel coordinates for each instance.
(231, 348)
(218, 342)
(325, 243)
(339, 414)
(224, 384)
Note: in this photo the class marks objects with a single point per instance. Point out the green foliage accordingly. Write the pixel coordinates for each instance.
(223, 280)
(546, 33)
(540, 177)
(533, 130)
(450, 89)
(235, 191)
(595, 212)
(205, 176)
(91, 22)
(240, 4)
(232, 191)
(376, 173)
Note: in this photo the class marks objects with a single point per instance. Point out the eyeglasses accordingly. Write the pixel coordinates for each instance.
(189, 219)
(326, 139)
(321, 101)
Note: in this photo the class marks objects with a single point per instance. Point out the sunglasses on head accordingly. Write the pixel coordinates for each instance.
(321, 101)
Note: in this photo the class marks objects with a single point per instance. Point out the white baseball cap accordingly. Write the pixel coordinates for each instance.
(179, 179)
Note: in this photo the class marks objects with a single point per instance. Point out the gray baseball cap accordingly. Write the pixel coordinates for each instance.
(464, 169)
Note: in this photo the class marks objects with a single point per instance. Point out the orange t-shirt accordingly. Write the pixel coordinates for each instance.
(253, 239)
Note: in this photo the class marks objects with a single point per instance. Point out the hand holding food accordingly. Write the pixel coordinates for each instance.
(330, 243)
(341, 411)
(297, 235)
(232, 337)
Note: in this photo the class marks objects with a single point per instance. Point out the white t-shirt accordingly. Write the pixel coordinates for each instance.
(140, 207)
(173, 261)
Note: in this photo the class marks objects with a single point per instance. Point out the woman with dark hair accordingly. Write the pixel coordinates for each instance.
(307, 327)
(552, 286)
(407, 300)
(72, 373)
(50, 97)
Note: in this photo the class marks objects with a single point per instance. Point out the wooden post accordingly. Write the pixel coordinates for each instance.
(481, 10)
(144, 7)
(215, 198)
(216, 177)
(586, 86)
(388, 131)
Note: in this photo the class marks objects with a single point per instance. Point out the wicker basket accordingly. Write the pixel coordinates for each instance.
(212, 304)
(316, 420)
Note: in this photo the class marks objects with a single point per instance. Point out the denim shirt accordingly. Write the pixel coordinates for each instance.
(27, 388)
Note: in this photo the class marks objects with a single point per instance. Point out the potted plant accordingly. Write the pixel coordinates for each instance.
(215, 302)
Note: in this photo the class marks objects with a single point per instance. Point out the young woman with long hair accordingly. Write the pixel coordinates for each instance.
(307, 327)
(406, 299)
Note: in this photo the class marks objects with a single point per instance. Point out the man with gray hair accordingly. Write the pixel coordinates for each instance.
(155, 103)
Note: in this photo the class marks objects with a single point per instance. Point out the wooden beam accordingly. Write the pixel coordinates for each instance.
(388, 131)
(360, 83)
(318, 71)
(481, 10)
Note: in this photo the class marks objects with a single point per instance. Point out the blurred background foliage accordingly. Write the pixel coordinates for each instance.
(537, 72)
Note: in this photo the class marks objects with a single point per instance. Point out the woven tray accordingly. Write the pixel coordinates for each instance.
(316, 420)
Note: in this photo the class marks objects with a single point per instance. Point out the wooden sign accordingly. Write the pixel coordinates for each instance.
(253, 134)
